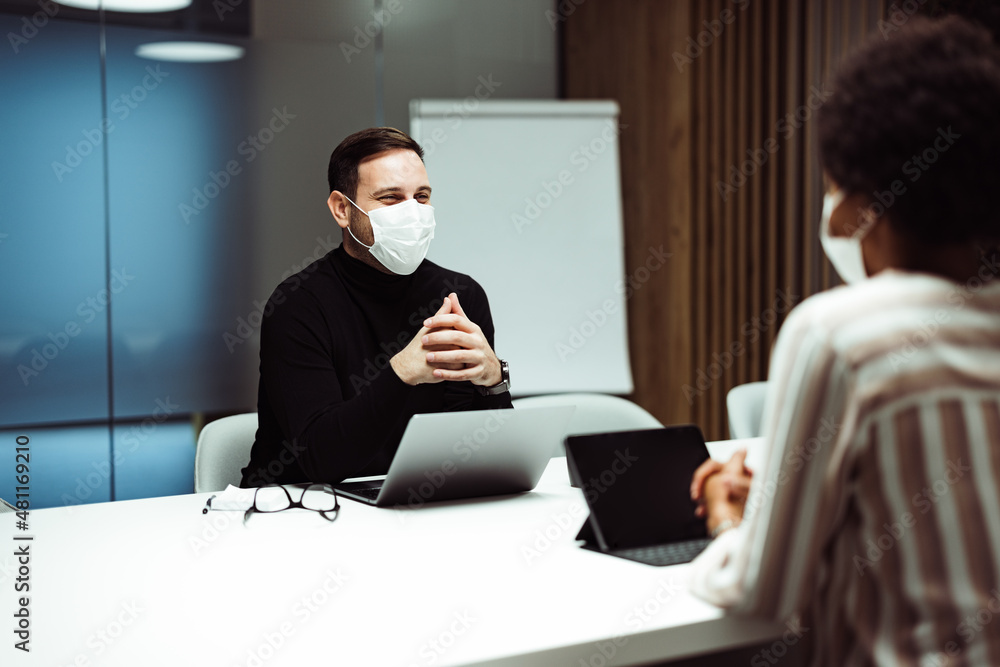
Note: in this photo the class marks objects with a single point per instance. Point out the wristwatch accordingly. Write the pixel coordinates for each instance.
(499, 387)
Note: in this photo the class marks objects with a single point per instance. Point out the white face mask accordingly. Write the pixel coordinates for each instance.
(403, 233)
(844, 251)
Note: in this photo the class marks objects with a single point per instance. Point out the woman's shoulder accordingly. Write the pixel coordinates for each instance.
(878, 298)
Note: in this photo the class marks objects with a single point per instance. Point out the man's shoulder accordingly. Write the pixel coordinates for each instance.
(303, 285)
(304, 294)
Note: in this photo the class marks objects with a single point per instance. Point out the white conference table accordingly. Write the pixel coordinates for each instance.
(497, 581)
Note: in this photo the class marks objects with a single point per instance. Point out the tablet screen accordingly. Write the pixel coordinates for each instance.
(637, 484)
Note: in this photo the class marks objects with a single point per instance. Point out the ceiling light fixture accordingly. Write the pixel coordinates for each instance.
(189, 52)
(128, 5)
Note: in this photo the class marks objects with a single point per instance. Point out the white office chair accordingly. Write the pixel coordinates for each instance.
(595, 413)
(223, 451)
(745, 407)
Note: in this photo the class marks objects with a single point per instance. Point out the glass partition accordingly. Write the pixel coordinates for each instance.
(53, 257)
(181, 190)
(151, 206)
(54, 326)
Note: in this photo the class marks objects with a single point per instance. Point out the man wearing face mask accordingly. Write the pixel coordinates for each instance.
(873, 512)
(371, 334)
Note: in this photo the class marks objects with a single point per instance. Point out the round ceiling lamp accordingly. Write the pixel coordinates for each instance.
(189, 52)
(128, 5)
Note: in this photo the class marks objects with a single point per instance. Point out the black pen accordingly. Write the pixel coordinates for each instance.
(208, 505)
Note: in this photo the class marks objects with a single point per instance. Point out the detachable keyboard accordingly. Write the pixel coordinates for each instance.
(665, 554)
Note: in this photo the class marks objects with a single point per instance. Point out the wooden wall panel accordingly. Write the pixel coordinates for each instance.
(689, 127)
(758, 196)
(703, 130)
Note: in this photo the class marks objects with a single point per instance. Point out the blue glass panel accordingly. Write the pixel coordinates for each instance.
(53, 329)
(181, 200)
(68, 465)
(153, 459)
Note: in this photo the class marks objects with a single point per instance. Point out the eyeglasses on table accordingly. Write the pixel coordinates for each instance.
(277, 498)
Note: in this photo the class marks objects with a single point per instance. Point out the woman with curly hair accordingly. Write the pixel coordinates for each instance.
(874, 514)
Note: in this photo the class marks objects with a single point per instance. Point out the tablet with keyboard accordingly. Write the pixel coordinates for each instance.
(637, 486)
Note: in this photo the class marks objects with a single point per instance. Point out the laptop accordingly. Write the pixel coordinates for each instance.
(637, 486)
(467, 454)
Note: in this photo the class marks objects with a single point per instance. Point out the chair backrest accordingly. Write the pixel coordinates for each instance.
(223, 451)
(595, 413)
(745, 407)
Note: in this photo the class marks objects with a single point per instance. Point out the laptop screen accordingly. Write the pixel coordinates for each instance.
(637, 484)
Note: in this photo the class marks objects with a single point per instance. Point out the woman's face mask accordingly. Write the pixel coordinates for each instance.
(844, 251)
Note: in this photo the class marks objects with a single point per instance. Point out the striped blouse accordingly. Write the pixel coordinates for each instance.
(874, 513)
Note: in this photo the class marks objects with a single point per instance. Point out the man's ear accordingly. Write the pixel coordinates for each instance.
(340, 208)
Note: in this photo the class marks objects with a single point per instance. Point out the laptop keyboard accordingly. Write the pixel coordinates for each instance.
(665, 554)
(367, 492)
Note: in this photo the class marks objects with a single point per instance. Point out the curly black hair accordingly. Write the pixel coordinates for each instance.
(919, 110)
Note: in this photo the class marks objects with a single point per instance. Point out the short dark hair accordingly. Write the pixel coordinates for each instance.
(891, 100)
(342, 173)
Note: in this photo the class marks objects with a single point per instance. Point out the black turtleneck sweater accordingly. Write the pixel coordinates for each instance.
(329, 404)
